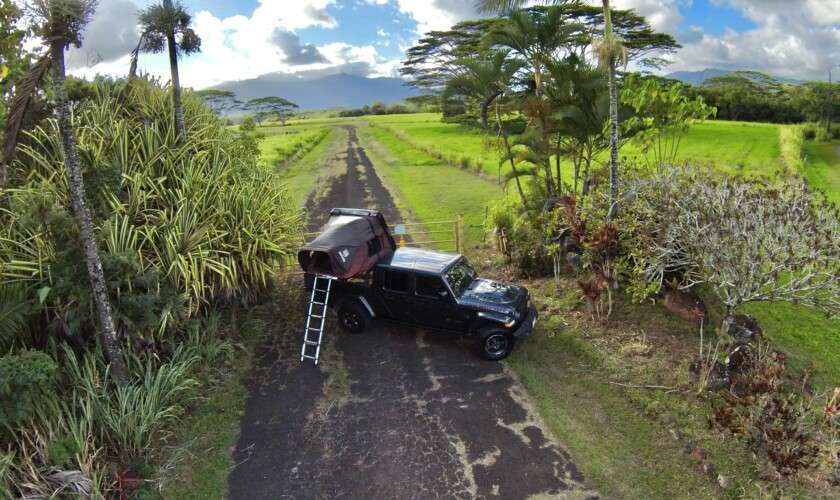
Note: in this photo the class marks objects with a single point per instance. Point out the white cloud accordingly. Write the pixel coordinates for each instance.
(437, 14)
(663, 15)
(795, 40)
(242, 47)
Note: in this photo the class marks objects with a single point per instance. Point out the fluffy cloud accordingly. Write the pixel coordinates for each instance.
(663, 15)
(293, 51)
(795, 40)
(111, 34)
(437, 14)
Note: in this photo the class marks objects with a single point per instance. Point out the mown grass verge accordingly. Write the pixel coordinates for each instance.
(301, 175)
(287, 144)
(427, 188)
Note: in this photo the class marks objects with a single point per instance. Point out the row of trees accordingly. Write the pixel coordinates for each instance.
(755, 96)
(224, 102)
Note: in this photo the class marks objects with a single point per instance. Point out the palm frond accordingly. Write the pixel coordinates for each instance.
(25, 91)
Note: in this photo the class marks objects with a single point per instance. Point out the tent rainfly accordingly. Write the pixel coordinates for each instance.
(350, 243)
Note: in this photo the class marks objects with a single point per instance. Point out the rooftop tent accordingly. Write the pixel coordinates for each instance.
(350, 243)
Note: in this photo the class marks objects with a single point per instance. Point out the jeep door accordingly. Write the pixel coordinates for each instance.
(396, 294)
(433, 305)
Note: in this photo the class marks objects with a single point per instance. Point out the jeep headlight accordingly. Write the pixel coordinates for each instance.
(510, 322)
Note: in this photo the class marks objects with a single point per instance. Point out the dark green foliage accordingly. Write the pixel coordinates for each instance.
(25, 377)
(377, 108)
(60, 453)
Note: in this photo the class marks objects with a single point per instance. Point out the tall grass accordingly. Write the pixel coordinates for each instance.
(76, 438)
(791, 143)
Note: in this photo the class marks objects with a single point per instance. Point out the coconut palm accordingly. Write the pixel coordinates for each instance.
(167, 25)
(61, 23)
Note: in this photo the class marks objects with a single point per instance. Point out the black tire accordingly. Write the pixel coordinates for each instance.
(495, 344)
(352, 317)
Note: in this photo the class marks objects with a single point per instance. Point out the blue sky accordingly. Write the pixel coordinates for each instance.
(245, 39)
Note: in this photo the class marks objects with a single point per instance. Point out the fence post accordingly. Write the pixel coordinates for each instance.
(459, 235)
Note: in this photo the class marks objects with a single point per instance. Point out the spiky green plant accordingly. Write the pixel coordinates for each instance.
(182, 224)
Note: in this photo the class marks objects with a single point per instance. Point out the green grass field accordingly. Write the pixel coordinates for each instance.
(734, 147)
(427, 189)
(301, 175)
(283, 143)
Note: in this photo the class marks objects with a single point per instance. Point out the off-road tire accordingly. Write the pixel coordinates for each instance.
(495, 344)
(352, 317)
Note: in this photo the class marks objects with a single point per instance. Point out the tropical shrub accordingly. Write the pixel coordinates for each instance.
(24, 378)
(771, 417)
(183, 224)
(750, 241)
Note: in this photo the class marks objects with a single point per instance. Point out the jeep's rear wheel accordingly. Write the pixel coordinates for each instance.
(352, 318)
(495, 344)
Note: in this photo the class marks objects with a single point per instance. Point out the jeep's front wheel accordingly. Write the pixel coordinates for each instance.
(495, 344)
(352, 318)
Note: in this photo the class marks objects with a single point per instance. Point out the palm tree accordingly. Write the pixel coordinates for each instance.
(61, 24)
(486, 79)
(610, 53)
(168, 25)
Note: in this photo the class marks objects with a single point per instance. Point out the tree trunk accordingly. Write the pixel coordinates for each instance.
(608, 36)
(135, 58)
(503, 133)
(176, 88)
(108, 334)
(485, 107)
(613, 143)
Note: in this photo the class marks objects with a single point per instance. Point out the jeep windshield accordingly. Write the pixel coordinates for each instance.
(460, 276)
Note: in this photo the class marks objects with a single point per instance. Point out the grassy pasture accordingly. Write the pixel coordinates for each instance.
(737, 148)
(426, 188)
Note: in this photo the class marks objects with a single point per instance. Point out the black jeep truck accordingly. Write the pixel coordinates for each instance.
(438, 291)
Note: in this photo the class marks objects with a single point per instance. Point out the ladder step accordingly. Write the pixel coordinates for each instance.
(307, 356)
(319, 303)
(310, 342)
(315, 316)
(313, 328)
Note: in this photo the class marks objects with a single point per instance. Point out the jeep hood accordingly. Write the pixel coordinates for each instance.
(492, 295)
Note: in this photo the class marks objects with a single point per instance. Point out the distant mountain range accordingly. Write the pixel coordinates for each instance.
(333, 91)
(698, 77)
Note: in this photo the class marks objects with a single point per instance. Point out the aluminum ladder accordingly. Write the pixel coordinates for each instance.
(316, 317)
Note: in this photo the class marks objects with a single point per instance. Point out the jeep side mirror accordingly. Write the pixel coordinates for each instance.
(443, 293)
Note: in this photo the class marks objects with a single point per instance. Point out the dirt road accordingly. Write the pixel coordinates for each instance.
(391, 413)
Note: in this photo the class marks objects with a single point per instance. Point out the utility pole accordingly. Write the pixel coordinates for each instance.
(828, 114)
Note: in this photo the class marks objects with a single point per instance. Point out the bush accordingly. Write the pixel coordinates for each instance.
(182, 225)
(746, 240)
(770, 416)
(25, 378)
(809, 131)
